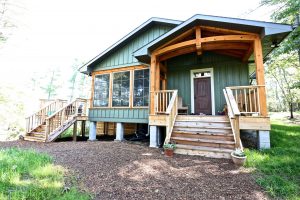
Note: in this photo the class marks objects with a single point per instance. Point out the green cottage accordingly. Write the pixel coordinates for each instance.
(187, 81)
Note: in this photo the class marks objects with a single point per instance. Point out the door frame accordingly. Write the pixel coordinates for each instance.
(211, 70)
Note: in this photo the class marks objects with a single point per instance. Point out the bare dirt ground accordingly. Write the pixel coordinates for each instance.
(114, 170)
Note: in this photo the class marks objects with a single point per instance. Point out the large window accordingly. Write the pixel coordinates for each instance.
(101, 90)
(121, 89)
(141, 88)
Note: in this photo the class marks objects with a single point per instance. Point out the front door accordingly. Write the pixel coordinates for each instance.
(202, 95)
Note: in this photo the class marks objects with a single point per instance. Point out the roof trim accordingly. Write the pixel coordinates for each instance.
(126, 37)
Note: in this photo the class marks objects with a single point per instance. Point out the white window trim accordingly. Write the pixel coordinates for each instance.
(211, 70)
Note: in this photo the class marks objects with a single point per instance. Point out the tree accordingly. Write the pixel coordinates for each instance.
(284, 71)
(51, 85)
(284, 64)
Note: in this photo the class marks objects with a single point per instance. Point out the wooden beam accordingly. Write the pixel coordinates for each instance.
(120, 69)
(152, 82)
(248, 54)
(174, 47)
(178, 38)
(177, 53)
(255, 123)
(157, 76)
(225, 31)
(260, 76)
(229, 38)
(198, 40)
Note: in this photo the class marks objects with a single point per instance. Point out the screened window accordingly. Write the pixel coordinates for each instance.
(121, 81)
(141, 88)
(101, 90)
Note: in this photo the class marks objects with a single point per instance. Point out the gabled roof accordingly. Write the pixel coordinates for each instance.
(270, 32)
(128, 37)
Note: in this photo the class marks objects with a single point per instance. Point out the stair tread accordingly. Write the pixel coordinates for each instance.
(201, 133)
(201, 148)
(32, 138)
(203, 121)
(202, 140)
(204, 127)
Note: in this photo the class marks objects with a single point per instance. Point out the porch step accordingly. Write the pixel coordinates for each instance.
(34, 138)
(38, 134)
(203, 151)
(209, 136)
(203, 135)
(201, 140)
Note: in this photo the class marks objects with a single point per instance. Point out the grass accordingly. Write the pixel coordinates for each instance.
(26, 174)
(277, 169)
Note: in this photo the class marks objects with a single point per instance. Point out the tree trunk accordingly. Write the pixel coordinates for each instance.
(291, 110)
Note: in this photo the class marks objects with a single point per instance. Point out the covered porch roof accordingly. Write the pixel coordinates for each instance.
(271, 33)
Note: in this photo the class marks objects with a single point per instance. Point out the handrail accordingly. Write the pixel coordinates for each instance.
(171, 112)
(66, 113)
(233, 114)
(39, 117)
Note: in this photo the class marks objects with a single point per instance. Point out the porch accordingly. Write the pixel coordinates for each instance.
(246, 104)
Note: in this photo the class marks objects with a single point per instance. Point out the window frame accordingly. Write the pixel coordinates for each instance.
(134, 88)
(130, 90)
(109, 95)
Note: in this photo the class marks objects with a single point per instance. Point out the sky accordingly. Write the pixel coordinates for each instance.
(53, 33)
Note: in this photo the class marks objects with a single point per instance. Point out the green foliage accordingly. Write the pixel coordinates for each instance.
(239, 153)
(277, 169)
(169, 146)
(286, 11)
(25, 174)
(11, 111)
(51, 86)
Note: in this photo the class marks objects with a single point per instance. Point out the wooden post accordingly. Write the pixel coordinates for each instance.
(75, 131)
(237, 133)
(198, 40)
(82, 129)
(152, 82)
(260, 76)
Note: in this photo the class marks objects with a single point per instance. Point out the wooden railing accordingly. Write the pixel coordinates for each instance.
(65, 114)
(247, 99)
(241, 100)
(172, 112)
(38, 118)
(162, 100)
(233, 114)
(165, 103)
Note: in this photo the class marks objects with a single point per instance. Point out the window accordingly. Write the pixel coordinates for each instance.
(101, 90)
(202, 74)
(121, 81)
(141, 88)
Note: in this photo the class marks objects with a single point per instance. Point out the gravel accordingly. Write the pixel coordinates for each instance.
(121, 170)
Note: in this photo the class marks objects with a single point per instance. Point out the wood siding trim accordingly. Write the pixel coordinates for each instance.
(120, 69)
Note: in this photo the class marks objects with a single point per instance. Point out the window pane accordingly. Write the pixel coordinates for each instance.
(121, 91)
(101, 90)
(141, 88)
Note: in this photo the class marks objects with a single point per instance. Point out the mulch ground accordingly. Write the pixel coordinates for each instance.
(121, 170)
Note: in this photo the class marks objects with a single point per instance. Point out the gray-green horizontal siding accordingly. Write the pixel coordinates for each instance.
(124, 55)
(228, 71)
(132, 115)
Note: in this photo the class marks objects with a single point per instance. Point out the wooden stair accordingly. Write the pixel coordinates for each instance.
(44, 127)
(209, 136)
